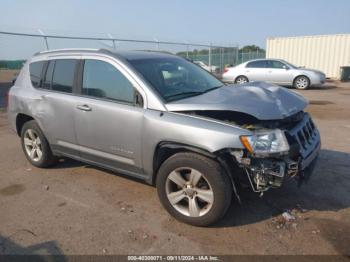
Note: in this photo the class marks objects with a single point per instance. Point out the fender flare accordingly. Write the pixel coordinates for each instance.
(219, 156)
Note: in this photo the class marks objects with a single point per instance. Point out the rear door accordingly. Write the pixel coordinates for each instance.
(108, 118)
(56, 106)
(256, 70)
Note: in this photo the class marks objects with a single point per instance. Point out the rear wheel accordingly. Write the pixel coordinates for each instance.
(194, 189)
(35, 145)
(301, 82)
(241, 80)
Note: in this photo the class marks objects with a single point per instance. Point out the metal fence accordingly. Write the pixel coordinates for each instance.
(215, 56)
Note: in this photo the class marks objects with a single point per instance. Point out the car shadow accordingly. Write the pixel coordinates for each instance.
(45, 251)
(71, 163)
(64, 163)
(325, 86)
(327, 190)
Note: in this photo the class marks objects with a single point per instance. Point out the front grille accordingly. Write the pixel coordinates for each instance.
(306, 135)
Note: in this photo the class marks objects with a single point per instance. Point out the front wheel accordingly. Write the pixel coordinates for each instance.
(194, 189)
(301, 82)
(241, 80)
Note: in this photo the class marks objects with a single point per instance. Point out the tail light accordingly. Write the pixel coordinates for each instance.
(226, 70)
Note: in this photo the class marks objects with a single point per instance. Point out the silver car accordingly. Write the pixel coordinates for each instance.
(274, 71)
(162, 119)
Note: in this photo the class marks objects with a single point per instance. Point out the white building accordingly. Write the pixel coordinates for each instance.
(323, 52)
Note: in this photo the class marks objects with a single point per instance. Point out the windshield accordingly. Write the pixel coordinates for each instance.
(175, 78)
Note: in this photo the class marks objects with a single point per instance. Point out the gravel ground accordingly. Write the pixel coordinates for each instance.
(75, 208)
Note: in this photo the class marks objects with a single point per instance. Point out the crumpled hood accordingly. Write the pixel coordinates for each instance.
(262, 100)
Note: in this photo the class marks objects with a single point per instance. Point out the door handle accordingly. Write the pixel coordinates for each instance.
(84, 107)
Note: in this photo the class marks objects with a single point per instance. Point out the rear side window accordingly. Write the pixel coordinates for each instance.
(35, 70)
(103, 80)
(257, 64)
(63, 75)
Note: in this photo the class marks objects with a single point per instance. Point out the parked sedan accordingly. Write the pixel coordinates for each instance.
(275, 71)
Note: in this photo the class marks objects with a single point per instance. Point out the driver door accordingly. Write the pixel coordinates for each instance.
(108, 120)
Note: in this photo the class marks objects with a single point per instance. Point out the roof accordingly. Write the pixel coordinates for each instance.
(128, 55)
(262, 59)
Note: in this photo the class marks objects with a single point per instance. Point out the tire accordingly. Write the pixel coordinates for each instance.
(301, 82)
(207, 188)
(241, 80)
(35, 145)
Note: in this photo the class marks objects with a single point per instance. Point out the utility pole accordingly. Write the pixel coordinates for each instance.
(45, 39)
(113, 41)
(209, 62)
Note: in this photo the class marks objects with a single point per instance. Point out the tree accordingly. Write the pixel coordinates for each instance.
(251, 48)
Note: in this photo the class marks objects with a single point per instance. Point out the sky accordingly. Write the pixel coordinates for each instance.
(221, 22)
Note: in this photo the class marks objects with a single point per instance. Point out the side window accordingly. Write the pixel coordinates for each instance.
(257, 64)
(35, 70)
(63, 75)
(275, 64)
(49, 74)
(103, 80)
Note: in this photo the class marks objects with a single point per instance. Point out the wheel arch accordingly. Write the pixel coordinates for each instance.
(240, 76)
(21, 119)
(166, 149)
(300, 75)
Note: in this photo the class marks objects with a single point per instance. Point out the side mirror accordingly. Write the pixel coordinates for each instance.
(285, 67)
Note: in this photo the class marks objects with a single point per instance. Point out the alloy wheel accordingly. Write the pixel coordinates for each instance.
(189, 192)
(32, 144)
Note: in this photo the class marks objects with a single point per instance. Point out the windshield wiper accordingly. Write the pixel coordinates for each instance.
(191, 93)
(211, 89)
(186, 94)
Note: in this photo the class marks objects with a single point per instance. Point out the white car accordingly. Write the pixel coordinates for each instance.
(275, 71)
(203, 65)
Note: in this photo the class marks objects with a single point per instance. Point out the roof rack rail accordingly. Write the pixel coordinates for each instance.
(65, 49)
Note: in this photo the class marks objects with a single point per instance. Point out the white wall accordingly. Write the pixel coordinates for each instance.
(323, 52)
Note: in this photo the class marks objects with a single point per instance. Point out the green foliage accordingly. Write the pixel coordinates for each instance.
(251, 48)
(11, 64)
(244, 49)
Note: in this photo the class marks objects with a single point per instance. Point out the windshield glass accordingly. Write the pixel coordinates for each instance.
(175, 78)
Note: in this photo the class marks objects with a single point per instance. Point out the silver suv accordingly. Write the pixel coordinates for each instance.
(164, 120)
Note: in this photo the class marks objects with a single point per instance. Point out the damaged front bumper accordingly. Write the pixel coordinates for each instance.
(270, 171)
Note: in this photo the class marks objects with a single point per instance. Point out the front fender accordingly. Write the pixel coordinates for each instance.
(207, 135)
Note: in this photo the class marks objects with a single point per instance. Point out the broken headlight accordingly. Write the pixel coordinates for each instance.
(266, 142)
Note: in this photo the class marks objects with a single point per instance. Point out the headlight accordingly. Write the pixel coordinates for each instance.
(266, 142)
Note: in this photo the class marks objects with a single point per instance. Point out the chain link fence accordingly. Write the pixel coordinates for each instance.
(17, 47)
